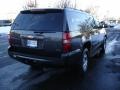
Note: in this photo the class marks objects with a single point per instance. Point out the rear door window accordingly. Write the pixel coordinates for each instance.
(77, 21)
(39, 22)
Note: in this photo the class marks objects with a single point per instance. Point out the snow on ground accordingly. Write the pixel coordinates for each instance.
(117, 26)
(110, 46)
(5, 30)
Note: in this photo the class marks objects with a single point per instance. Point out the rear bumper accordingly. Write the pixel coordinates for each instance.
(31, 59)
(65, 59)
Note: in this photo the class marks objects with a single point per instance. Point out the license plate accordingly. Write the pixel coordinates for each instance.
(32, 43)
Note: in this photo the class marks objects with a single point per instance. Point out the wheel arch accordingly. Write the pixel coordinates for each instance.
(88, 45)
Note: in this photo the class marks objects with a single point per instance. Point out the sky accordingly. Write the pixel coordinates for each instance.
(10, 8)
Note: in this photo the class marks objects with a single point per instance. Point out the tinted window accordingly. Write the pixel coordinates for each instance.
(39, 22)
(74, 21)
(95, 23)
(77, 20)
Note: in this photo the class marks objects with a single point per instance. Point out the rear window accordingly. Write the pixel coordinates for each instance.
(39, 22)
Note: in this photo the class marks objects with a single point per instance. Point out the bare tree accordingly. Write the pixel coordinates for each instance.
(92, 10)
(65, 4)
(30, 4)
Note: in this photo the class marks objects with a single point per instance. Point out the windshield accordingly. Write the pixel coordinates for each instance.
(39, 22)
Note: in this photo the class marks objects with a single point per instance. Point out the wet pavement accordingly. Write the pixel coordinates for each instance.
(104, 73)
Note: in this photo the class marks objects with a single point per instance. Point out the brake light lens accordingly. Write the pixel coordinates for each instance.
(66, 42)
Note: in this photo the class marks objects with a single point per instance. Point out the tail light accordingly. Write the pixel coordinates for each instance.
(66, 42)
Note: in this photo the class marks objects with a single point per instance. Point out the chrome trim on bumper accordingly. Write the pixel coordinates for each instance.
(24, 57)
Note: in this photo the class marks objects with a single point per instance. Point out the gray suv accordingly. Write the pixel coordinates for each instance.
(56, 37)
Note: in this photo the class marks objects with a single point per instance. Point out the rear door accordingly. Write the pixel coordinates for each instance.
(95, 36)
(39, 31)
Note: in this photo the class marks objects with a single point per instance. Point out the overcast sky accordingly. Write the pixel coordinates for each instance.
(111, 7)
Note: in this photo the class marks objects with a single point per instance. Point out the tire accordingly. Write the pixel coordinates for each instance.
(84, 61)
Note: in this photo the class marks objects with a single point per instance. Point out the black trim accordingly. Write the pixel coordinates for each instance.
(43, 11)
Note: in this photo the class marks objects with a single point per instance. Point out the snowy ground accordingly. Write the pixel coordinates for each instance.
(5, 30)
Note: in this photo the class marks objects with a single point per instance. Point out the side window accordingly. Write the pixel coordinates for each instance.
(94, 23)
(90, 21)
(78, 21)
(74, 20)
(86, 22)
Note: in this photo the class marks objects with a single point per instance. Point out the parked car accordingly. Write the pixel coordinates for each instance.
(117, 27)
(104, 24)
(112, 23)
(5, 23)
(56, 37)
